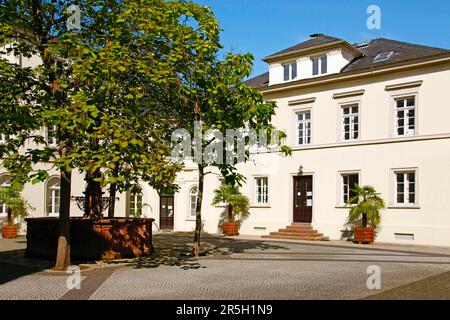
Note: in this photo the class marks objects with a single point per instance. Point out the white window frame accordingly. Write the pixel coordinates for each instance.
(290, 66)
(304, 122)
(51, 191)
(192, 214)
(54, 139)
(320, 67)
(394, 192)
(3, 138)
(4, 206)
(133, 198)
(403, 94)
(405, 109)
(265, 200)
(351, 117)
(342, 176)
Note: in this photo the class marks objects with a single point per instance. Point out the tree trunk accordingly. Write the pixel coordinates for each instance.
(364, 220)
(63, 253)
(9, 217)
(112, 200)
(93, 196)
(230, 213)
(198, 221)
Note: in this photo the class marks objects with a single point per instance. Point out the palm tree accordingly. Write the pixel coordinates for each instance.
(366, 212)
(237, 205)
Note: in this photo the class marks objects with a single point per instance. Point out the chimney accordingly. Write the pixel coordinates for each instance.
(316, 35)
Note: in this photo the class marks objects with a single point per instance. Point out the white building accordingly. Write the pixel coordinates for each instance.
(374, 114)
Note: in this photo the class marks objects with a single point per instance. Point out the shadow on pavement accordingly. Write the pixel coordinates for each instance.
(175, 250)
(10, 272)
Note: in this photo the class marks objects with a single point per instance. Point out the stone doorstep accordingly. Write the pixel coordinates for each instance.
(298, 231)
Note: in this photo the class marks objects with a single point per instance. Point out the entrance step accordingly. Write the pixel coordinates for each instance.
(298, 231)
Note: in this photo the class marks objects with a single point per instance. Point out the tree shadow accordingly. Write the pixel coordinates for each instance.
(14, 264)
(175, 250)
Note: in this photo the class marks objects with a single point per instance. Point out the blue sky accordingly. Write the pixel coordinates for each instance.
(263, 27)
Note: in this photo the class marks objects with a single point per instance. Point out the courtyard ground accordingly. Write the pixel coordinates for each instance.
(237, 268)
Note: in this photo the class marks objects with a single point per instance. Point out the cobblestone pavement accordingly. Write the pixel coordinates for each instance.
(248, 269)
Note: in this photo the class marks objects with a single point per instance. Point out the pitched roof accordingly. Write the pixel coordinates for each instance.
(259, 81)
(318, 40)
(402, 52)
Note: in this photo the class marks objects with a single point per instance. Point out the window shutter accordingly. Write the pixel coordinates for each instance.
(324, 62)
(286, 72)
(315, 66)
(294, 70)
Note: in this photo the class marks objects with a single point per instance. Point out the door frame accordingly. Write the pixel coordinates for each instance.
(291, 194)
(159, 209)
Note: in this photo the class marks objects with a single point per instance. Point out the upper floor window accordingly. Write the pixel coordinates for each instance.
(320, 65)
(3, 138)
(262, 190)
(405, 187)
(290, 71)
(350, 122)
(53, 196)
(193, 198)
(4, 182)
(303, 127)
(405, 114)
(50, 135)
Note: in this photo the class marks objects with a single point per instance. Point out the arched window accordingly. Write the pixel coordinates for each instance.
(53, 196)
(135, 204)
(4, 182)
(193, 197)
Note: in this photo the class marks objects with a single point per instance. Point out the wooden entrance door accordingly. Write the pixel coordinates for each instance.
(303, 199)
(166, 212)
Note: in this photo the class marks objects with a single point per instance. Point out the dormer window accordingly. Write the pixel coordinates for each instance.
(320, 65)
(290, 71)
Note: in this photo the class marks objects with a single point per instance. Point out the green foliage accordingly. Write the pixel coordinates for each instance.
(111, 89)
(366, 212)
(237, 205)
(19, 207)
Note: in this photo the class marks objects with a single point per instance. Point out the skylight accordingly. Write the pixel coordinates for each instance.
(383, 56)
(363, 44)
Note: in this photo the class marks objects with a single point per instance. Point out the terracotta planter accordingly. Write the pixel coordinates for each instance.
(9, 232)
(230, 229)
(364, 235)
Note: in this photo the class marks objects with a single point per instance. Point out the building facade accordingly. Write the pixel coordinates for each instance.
(373, 114)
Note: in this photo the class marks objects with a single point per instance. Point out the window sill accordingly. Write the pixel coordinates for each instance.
(404, 207)
(343, 206)
(260, 206)
(191, 219)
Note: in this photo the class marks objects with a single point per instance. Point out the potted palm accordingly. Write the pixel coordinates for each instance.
(364, 214)
(236, 208)
(18, 209)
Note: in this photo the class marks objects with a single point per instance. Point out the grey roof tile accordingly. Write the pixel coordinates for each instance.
(403, 52)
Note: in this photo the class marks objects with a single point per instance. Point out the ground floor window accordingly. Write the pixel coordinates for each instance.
(348, 183)
(134, 204)
(53, 196)
(262, 190)
(4, 182)
(405, 187)
(193, 198)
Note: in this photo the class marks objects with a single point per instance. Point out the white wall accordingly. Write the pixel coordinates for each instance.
(337, 59)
